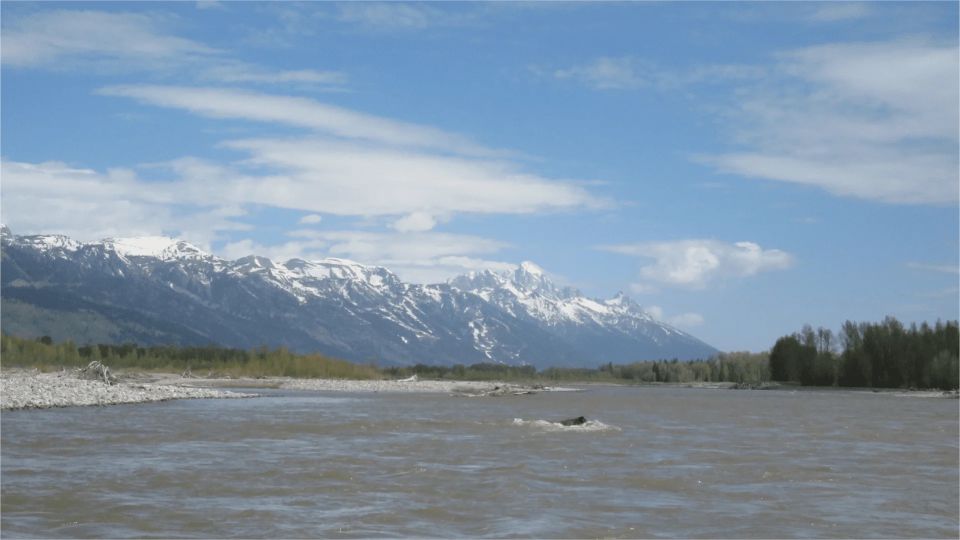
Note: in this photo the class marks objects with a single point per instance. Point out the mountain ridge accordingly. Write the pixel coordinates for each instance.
(335, 306)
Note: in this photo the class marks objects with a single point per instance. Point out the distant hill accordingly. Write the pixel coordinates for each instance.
(157, 290)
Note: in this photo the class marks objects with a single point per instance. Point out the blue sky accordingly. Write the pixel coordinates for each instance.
(739, 169)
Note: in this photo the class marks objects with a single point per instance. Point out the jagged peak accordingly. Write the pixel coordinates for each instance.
(253, 262)
(618, 299)
(531, 268)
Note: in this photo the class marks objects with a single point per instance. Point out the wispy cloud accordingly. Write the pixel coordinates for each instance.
(839, 11)
(298, 112)
(72, 37)
(696, 263)
(605, 73)
(387, 15)
(875, 121)
(941, 268)
(683, 320)
(209, 4)
(635, 73)
(403, 16)
(135, 42)
(346, 164)
(363, 165)
(239, 72)
(345, 178)
(826, 12)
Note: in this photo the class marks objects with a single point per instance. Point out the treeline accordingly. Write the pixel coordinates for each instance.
(200, 361)
(885, 354)
(738, 367)
(43, 353)
(486, 371)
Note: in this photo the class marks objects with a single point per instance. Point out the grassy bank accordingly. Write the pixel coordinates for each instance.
(45, 355)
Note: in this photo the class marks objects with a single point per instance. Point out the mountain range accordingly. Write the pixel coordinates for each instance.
(158, 290)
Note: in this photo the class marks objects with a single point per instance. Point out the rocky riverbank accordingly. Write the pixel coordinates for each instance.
(455, 388)
(29, 389)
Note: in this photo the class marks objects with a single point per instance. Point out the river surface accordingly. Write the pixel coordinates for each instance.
(654, 462)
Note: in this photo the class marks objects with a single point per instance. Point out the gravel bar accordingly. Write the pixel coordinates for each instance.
(34, 390)
(457, 388)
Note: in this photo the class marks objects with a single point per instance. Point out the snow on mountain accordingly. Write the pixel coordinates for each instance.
(52, 243)
(159, 247)
(332, 305)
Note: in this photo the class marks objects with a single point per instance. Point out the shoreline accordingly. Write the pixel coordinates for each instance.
(30, 389)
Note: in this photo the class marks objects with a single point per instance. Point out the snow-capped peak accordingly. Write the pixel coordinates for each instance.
(51, 242)
(530, 277)
(160, 247)
(618, 299)
(531, 268)
(336, 268)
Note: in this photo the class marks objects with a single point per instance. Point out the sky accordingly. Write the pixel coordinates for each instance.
(739, 169)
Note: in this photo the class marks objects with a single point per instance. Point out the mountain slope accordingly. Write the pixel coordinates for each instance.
(157, 290)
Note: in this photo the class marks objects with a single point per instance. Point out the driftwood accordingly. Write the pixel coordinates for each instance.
(97, 371)
(498, 390)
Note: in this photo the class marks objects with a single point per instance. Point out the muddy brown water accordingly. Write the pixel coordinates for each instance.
(653, 462)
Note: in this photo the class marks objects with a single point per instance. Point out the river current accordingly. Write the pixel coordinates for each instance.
(652, 462)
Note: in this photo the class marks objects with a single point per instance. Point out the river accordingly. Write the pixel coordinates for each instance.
(653, 462)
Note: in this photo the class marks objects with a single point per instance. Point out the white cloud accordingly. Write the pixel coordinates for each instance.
(345, 178)
(64, 37)
(311, 219)
(607, 74)
(695, 263)
(876, 121)
(298, 112)
(417, 221)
